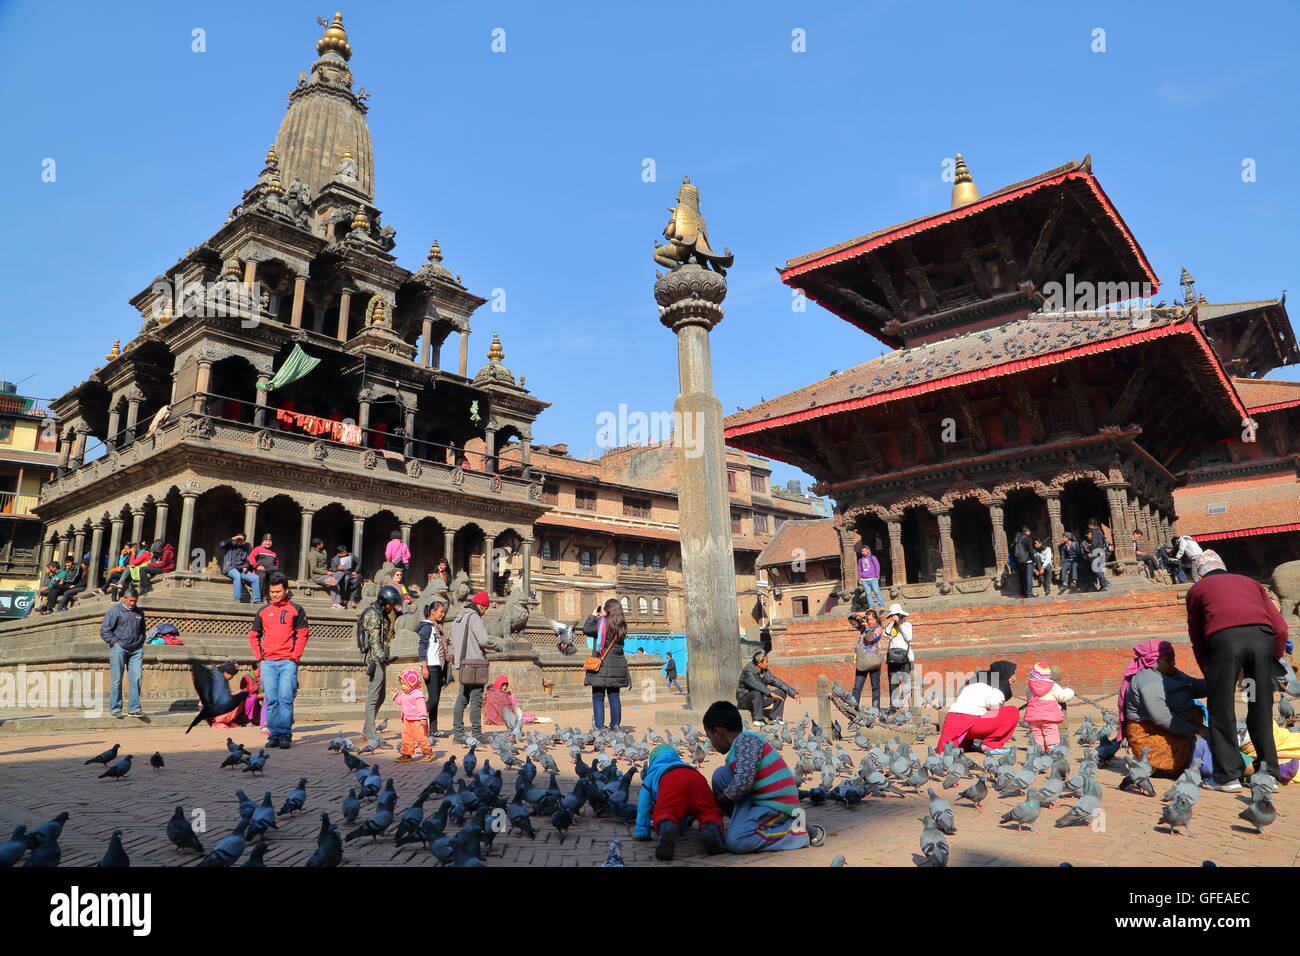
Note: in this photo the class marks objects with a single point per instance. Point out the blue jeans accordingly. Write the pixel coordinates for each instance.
(134, 661)
(1069, 573)
(871, 586)
(239, 578)
(672, 683)
(279, 684)
(598, 707)
(753, 828)
(1099, 569)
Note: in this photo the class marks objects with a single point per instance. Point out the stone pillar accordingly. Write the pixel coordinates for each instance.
(999, 536)
(304, 542)
(848, 560)
(426, 342)
(408, 425)
(1056, 529)
(489, 545)
(260, 400)
(160, 521)
(47, 553)
(358, 529)
(114, 423)
(64, 547)
(132, 416)
(406, 534)
(96, 557)
(345, 304)
(525, 455)
(186, 537)
(897, 560)
(79, 544)
(65, 450)
(527, 576)
(690, 304)
(79, 445)
(449, 548)
(250, 520)
(299, 296)
(250, 274)
(137, 524)
(490, 450)
(114, 538)
(1114, 498)
(464, 353)
(363, 419)
(201, 384)
(947, 552)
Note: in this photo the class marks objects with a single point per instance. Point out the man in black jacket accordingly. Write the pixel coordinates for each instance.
(1097, 553)
(761, 692)
(1023, 551)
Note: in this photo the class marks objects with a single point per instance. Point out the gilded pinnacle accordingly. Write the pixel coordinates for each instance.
(496, 353)
(115, 351)
(335, 39)
(964, 189)
(435, 252)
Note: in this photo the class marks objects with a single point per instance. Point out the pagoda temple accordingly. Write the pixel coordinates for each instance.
(1031, 381)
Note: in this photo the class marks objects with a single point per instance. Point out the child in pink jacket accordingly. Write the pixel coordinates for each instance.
(415, 717)
(1043, 712)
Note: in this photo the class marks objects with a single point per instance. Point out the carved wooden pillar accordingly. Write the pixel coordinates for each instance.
(1057, 530)
(358, 530)
(408, 426)
(426, 342)
(1115, 498)
(363, 416)
(250, 520)
(137, 524)
(490, 450)
(304, 542)
(96, 556)
(947, 553)
(114, 538)
(186, 536)
(848, 562)
(299, 295)
(160, 521)
(345, 303)
(406, 533)
(999, 535)
(898, 569)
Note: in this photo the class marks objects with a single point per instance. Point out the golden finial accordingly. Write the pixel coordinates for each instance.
(496, 353)
(1203, 300)
(115, 351)
(964, 189)
(272, 156)
(275, 187)
(165, 316)
(335, 39)
(359, 221)
(435, 252)
(231, 269)
(347, 152)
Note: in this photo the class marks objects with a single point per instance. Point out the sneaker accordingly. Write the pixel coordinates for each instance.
(996, 751)
(403, 758)
(285, 743)
(116, 716)
(136, 713)
(272, 741)
(442, 734)
(711, 835)
(758, 723)
(816, 835)
(1232, 786)
(427, 758)
(666, 848)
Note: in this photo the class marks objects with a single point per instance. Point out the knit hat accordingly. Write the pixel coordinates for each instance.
(1209, 561)
(482, 599)
(409, 679)
(1040, 671)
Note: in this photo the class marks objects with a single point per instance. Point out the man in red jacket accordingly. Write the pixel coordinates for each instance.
(1235, 629)
(277, 639)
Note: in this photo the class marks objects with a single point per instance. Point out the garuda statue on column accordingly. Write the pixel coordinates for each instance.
(688, 236)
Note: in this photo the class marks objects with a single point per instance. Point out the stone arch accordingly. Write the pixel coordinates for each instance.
(963, 490)
(376, 532)
(469, 551)
(233, 388)
(1064, 477)
(218, 514)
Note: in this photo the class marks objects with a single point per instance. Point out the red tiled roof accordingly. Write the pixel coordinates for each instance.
(612, 528)
(1265, 394)
(816, 539)
(1250, 508)
(1004, 349)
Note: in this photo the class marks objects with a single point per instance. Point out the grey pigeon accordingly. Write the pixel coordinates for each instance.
(379, 821)
(53, 827)
(976, 793)
(119, 769)
(12, 851)
(1260, 812)
(115, 857)
(934, 845)
(46, 853)
(257, 856)
(329, 848)
(351, 807)
(296, 798)
(256, 764)
(1177, 813)
(228, 850)
(840, 861)
(181, 834)
(1024, 813)
(941, 813)
(106, 757)
(156, 761)
(1137, 776)
(1081, 813)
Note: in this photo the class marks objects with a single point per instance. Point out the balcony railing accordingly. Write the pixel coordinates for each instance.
(311, 439)
(15, 505)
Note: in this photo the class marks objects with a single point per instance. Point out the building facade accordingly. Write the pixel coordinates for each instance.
(28, 457)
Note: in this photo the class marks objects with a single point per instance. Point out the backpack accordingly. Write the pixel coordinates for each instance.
(363, 639)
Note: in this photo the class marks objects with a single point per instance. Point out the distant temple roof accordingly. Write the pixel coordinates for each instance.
(1240, 508)
(816, 539)
(1267, 394)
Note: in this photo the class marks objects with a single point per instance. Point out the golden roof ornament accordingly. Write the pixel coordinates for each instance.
(335, 39)
(115, 351)
(964, 189)
(688, 236)
(435, 252)
(165, 316)
(495, 352)
(1186, 281)
(359, 221)
(272, 157)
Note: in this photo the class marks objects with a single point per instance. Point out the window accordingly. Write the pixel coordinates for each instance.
(6, 431)
(1217, 508)
(640, 560)
(731, 480)
(642, 606)
(758, 483)
(585, 500)
(586, 560)
(831, 571)
(636, 507)
(657, 607)
(623, 603)
(656, 562)
(1010, 426)
(548, 550)
(798, 577)
(735, 522)
(624, 560)
(550, 493)
(800, 606)
(760, 523)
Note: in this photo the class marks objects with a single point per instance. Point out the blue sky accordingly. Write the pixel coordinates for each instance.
(527, 164)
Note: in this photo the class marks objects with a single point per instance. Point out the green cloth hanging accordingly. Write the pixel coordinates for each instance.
(298, 364)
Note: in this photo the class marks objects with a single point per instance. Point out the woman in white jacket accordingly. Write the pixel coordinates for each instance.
(898, 655)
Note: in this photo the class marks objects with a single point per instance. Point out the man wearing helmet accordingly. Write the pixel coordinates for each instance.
(377, 622)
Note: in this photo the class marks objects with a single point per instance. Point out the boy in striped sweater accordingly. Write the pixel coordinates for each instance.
(756, 787)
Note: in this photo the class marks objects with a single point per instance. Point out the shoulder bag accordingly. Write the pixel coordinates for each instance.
(470, 673)
(593, 664)
(896, 655)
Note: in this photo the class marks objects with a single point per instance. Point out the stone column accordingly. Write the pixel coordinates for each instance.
(464, 353)
(489, 545)
(186, 537)
(96, 556)
(897, 559)
(406, 533)
(78, 544)
(65, 451)
(1114, 498)
(160, 521)
(201, 384)
(525, 455)
(363, 418)
(408, 425)
(47, 554)
(999, 536)
(947, 552)
(114, 537)
(358, 529)
(690, 303)
(64, 547)
(426, 342)
(345, 303)
(1056, 529)
(137, 524)
(527, 576)
(304, 542)
(260, 400)
(79, 445)
(114, 423)
(250, 520)
(299, 296)
(250, 274)
(490, 450)
(132, 416)
(449, 548)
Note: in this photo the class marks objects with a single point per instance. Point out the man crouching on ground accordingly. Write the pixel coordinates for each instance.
(756, 787)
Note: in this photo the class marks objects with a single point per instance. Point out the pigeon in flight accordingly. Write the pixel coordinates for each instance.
(213, 689)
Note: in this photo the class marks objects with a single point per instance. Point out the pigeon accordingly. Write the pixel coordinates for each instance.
(409, 828)
(1137, 775)
(156, 761)
(115, 857)
(119, 769)
(213, 689)
(1260, 812)
(353, 763)
(257, 763)
(340, 743)
(296, 798)
(46, 852)
(518, 816)
(976, 793)
(263, 818)
(1177, 813)
(381, 726)
(351, 807)
(256, 858)
(466, 850)
(1051, 790)
(562, 819)
(53, 827)
(181, 833)
(469, 762)
(840, 861)
(934, 845)
(615, 855)
(106, 757)
(941, 813)
(233, 759)
(379, 821)
(228, 850)
(443, 782)
(1081, 813)
(12, 851)
(1024, 813)
(329, 848)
